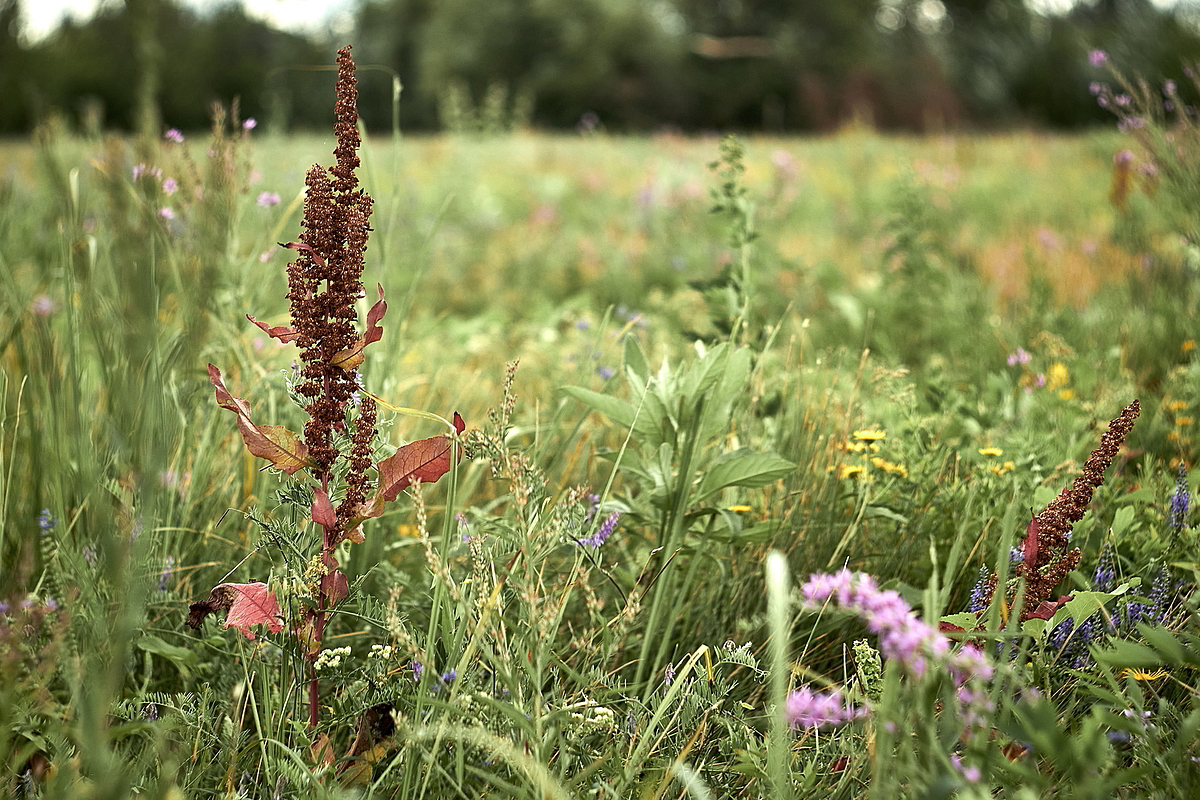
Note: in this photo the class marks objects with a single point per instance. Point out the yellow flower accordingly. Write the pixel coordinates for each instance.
(1181, 421)
(1000, 469)
(1067, 394)
(854, 447)
(1177, 405)
(1139, 675)
(851, 470)
(990, 451)
(890, 468)
(1058, 375)
(870, 435)
(740, 509)
(1188, 346)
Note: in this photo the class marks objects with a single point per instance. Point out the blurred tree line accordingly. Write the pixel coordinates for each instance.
(775, 65)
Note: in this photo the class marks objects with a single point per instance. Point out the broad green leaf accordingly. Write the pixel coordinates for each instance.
(183, 658)
(635, 359)
(743, 468)
(619, 411)
(964, 619)
(1119, 653)
(1122, 520)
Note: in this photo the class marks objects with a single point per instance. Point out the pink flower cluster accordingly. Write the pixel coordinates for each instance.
(902, 636)
(809, 709)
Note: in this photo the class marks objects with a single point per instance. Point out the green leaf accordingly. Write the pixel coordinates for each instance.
(1121, 521)
(743, 468)
(1118, 653)
(183, 658)
(886, 513)
(635, 359)
(619, 411)
(964, 619)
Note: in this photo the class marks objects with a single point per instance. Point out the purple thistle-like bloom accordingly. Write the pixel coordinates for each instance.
(268, 199)
(450, 676)
(1098, 58)
(605, 530)
(809, 709)
(51, 604)
(173, 135)
(249, 124)
(417, 669)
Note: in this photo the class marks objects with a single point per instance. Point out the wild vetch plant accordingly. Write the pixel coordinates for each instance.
(332, 460)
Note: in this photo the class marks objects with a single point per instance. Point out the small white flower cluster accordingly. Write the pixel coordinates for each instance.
(330, 659)
(383, 652)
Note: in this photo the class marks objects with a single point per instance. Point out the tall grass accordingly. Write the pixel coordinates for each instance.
(881, 355)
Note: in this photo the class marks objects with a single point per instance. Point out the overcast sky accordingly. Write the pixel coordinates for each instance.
(42, 16)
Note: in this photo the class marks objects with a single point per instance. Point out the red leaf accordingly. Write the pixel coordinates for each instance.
(1047, 608)
(247, 603)
(322, 509)
(335, 586)
(275, 443)
(280, 332)
(424, 460)
(316, 257)
(353, 356)
(1031, 547)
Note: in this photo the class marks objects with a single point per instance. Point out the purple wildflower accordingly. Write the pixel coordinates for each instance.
(268, 199)
(417, 670)
(1095, 87)
(902, 636)
(450, 676)
(1098, 58)
(4, 607)
(979, 592)
(1105, 575)
(1181, 500)
(173, 135)
(46, 522)
(249, 124)
(605, 530)
(164, 579)
(166, 212)
(1022, 356)
(971, 774)
(808, 709)
(43, 305)
(669, 674)
(605, 372)
(170, 186)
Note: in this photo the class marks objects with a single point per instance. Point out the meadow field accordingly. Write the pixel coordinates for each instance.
(771, 394)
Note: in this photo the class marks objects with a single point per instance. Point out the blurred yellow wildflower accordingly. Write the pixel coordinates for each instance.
(990, 451)
(852, 470)
(1188, 346)
(889, 467)
(1066, 394)
(1183, 421)
(1176, 405)
(854, 447)
(1000, 469)
(870, 435)
(1140, 675)
(1058, 376)
(740, 509)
